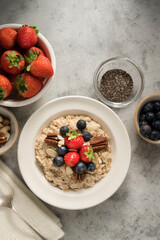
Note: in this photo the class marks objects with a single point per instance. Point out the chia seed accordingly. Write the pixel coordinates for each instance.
(116, 85)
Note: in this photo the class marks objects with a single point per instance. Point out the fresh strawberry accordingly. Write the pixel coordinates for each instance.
(86, 153)
(35, 50)
(73, 140)
(40, 67)
(5, 87)
(71, 159)
(27, 36)
(28, 85)
(7, 38)
(12, 62)
(12, 79)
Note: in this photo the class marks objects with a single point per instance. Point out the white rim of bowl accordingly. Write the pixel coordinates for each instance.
(120, 183)
(99, 94)
(47, 85)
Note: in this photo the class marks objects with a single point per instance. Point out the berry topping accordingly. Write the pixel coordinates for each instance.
(73, 140)
(62, 151)
(157, 106)
(86, 136)
(145, 130)
(148, 107)
(64, 130)
(86, 153)
(155, 135)
(91, 166)
(58, 161)
(71, 159)
(81, 124)
(150, 117)
(80, 168)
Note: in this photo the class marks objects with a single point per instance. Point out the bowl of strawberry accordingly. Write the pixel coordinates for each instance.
(147, 119)
(27, 65)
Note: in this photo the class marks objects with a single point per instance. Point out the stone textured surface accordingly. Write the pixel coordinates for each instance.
(84, 33)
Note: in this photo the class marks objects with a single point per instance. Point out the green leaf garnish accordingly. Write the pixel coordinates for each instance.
(90, 154)
(32, 55)
(1, 94)
(14, 59)
(73, 134)
(20, 84)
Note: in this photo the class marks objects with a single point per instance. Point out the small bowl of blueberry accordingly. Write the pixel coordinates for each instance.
(147, 119)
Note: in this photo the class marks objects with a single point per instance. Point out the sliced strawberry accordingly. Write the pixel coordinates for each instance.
(73, 140)
(12, 62)
(86, 153)
(71, 159)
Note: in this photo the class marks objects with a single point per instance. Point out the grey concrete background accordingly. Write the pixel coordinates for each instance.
(84, 33)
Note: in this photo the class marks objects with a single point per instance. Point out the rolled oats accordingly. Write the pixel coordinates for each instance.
(63, 177)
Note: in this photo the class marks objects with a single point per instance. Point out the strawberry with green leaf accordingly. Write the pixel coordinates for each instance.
(86, 153)
(12, 62)
(35, 50)
(74, 140)
(5, 87)
(27, 85)
(27, 36)
(39, 65)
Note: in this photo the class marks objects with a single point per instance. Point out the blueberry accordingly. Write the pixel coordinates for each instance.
(142, 117)
(142, 123)
(157, 106)
(150, 117)
(155, 135)
(158, 115)
(58, 161)
(145, 130)
(80, 167)
(156, 124)
(91, 166)
(64, 130)
(62, 151)
(86, 136)
(81, 124)
(148, 107)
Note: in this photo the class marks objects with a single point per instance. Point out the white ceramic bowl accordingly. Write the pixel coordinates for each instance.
(48, 50)
(84, 198)
(14, 129)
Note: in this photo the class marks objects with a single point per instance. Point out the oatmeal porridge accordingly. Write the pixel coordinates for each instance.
(73, 152)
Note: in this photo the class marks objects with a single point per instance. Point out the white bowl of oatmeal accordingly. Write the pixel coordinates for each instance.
(58, 186)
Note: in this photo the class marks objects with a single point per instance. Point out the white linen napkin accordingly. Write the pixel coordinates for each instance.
(31, 208)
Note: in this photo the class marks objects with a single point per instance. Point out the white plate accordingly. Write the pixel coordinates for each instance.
(85, 198)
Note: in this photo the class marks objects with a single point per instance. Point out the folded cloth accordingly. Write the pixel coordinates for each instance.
(31, 208)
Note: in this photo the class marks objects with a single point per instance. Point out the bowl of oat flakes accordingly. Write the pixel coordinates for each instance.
(77, 154)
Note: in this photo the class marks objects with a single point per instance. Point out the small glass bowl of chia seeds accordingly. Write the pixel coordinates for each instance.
(118, 82)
